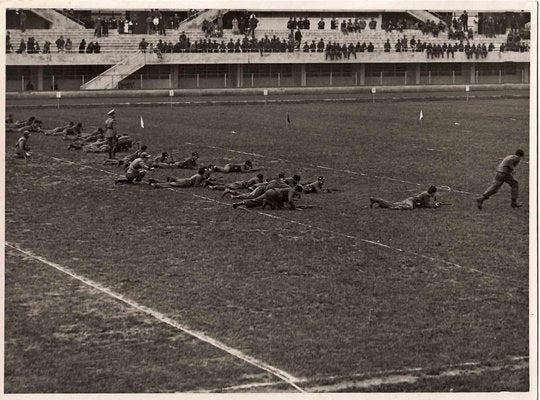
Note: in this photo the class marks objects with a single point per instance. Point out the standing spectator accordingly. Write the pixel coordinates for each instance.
(298, 38)
(290, 24)
(97, 27)
(162, 26)
(9, 47)
(130, 27)
(155, 22)
(22, 20)
(82, 46)
(372, 24)
(465, 21)
(320, 25)
(149, 24)
(219, 25)
(333, 23)
(105, 27)
(235, 30)
(69, 45)
(307, 24)
(253, 22)
(60, 43)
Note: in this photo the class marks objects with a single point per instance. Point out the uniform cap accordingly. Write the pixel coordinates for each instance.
(111, 112)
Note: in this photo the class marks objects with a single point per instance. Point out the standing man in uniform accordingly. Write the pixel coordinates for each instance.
(110, 133)
(504, 174)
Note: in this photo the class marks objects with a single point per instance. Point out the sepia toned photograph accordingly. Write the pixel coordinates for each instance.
(288, 198)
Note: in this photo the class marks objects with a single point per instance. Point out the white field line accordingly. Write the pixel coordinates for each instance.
(435, 260)
(377, 378)
(282, 375)
(347, 171)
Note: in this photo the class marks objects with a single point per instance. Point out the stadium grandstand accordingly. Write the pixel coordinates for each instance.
(66, 49)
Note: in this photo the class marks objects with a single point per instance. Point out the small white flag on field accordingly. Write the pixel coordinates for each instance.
(421, 117)
(142, 123)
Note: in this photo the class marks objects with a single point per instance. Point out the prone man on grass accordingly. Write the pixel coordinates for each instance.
(426, 199)
(276, 198)
(504, 174)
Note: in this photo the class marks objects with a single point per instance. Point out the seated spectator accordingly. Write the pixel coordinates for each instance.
(82, 46)
(398, 46)
(90, 48)
(320, 25)
(370, 47)
(470, 34)
(69, 45)
(491, 47)
(47, 47)
(333, 23)
(351, 49)
(29, 86)
(372, 24)
(97, 47)
(356, 25)
(306, 47)
(60, 43)
(320, 46)
(300, 23)
(307, 23)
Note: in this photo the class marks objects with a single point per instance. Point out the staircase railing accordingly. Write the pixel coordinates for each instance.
(71, 17)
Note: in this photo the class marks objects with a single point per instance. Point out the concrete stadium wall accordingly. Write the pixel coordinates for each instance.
(259, 91)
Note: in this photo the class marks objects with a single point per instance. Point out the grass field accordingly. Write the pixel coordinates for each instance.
(339, 297)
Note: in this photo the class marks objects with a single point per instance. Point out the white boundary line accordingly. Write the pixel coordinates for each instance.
(435, 260)
(282, 375)
(347, 171)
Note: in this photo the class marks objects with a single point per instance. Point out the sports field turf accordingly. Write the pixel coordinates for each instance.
(331, 295)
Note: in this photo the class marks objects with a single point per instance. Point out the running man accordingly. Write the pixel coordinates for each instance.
(504, 174)
(22, 149)
(136, 170)
(425, 199)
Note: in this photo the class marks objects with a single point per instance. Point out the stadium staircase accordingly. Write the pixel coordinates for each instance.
(423, 16)
(57, 19)
(112, 77)
(195, 21)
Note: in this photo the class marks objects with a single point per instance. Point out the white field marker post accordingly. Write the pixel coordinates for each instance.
(58, 95)
(500, 76)
(279, 79)
(356, 78)
(453, 77)
(252, 80)
(82, 79)
(53, 82)
(141, 80)
(265, 94)
(373, 91)
(197, 81)
(381, 79)
(405, 78)
(22, 83)
(467, 89)
(330, 78)
(171, 95)
(225, 80)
